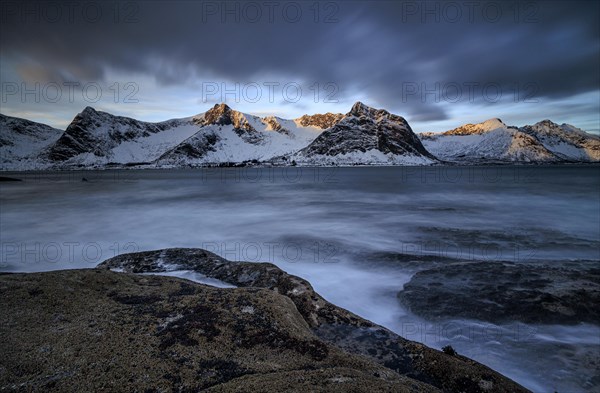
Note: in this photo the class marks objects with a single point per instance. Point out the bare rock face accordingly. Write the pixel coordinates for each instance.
(366, 129)
(322, 121)
(197, 146)
(97, 132)
(332, 325)
(222, 115)
(274, 123)
(77, 138)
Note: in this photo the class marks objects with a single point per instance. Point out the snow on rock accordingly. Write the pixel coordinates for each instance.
(489, 141)
(222, 135)
(366, 136)
(99, 138)
(229, 136)
(566, 141)
(21, 140)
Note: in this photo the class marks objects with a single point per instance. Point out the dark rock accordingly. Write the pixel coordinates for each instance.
(364, 129)
(222, 114)
(197, 146)
(6, 178)
(98, 132)
(331, 324)
(526, 293)
(448, 350)
(97, 330)
(275, 124)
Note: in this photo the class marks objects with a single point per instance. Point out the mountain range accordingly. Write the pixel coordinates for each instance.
(223, 136)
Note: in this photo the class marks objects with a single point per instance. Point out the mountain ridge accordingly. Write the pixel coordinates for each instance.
(367, 135)
(494, 141)
(225, 136)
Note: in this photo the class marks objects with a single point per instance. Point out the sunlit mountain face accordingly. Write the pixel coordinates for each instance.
(223, 136)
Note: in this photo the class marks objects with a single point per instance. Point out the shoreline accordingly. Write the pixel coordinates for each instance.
(238, 166)
(413, 366)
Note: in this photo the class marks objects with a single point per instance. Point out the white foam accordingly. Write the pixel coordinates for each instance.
(196, 277)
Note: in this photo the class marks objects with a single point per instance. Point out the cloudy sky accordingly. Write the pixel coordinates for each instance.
(439, 64)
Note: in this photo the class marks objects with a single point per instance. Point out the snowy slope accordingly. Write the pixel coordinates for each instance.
(226, 135)
(97, 138)
(365, 136)
(566, 141)
(490, 141)
(21, 140)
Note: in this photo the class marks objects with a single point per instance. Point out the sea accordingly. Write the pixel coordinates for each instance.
(344, 229)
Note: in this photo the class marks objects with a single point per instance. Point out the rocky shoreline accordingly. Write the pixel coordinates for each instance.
(113, 329)
(529, 293)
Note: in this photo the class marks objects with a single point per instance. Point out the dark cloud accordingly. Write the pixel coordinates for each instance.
(376, 49)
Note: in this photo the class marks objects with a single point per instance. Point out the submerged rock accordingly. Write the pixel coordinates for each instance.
(516, 292)
(95, 329)
(6, 178)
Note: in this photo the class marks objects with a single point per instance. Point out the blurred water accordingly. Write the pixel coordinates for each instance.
(335, 227)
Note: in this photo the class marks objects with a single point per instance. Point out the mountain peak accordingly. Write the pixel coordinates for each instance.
(479, 128)
(547, 123)
(222, 107)
(88, 110)
(492, 124)
(218, 114)
(360, 109)
(223, 115)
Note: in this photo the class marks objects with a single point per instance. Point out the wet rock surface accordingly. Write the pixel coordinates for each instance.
(97, 329)
(518, 292)
(94, 330)
(330, 325)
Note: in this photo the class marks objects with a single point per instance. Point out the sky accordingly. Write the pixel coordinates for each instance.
(438, 64)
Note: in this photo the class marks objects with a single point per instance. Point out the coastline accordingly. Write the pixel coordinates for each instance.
(324, 342)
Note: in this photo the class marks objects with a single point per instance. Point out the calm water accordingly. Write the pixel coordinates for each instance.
(338, 228)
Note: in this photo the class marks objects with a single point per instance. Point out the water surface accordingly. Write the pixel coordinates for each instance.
(342, 229)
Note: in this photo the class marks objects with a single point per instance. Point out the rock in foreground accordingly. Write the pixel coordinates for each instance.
(101, 330)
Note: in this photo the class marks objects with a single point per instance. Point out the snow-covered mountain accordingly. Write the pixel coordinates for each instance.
(221, 135)
(363, 136)
(226, 135)
(566, 141)
(366, 136)
(494, 141)
(98, 138)
(21, 140)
